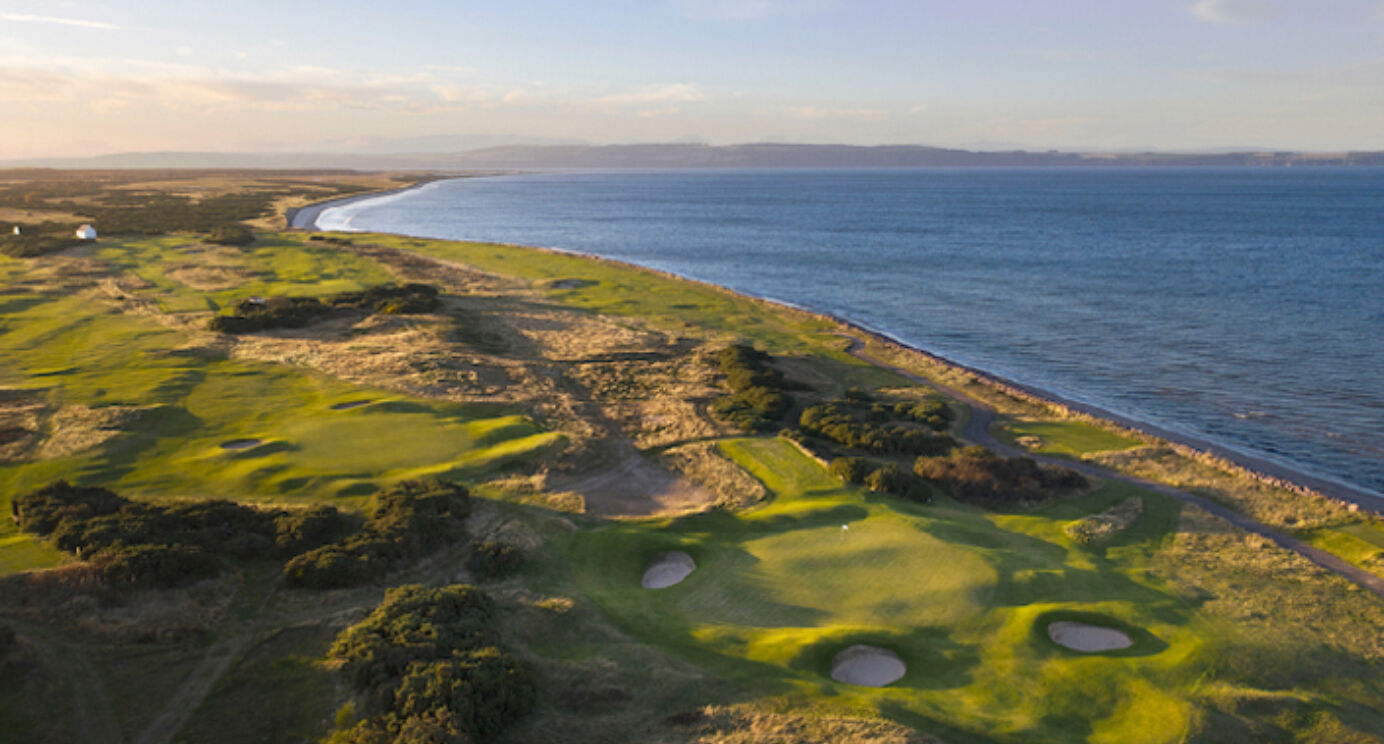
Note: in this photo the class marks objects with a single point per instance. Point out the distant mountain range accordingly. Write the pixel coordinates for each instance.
(693, 155)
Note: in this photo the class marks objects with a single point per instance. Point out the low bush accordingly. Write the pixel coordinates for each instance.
(491, 561)
(262, 314)
(231, 235)
(896, 481)
(871, 427)
(431, 668)
(851, 469)
(403, 523)
(757, 401)
(977, 475)
(134, 542)
(33, 246)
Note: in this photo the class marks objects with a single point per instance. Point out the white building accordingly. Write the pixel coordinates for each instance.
(16, 230)
(86, 232)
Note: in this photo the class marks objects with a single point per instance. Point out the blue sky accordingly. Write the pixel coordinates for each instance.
(90, 77)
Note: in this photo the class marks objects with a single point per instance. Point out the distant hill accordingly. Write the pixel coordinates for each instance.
(695, 155)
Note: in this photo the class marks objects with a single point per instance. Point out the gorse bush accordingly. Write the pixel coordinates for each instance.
(977, 475)
(431, 668)
(261, 314)
(896, 481)
(490, 561)
(134, 542)
(872, 427)
(757, 401)
(404, 523)
(231, 235)
(851, 469)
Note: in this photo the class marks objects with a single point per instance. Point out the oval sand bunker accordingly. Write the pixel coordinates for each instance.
(668, 569)
(241, 444)
(867, 666)
(1088, 639)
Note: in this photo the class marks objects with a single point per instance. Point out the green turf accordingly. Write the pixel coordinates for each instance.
(1361, 544)
(69, 350)
(1072, 438)
(963, 595)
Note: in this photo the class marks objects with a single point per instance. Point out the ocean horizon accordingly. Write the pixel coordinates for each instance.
(1232, 308)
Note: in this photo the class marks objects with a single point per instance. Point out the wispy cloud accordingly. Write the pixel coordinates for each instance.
(79, 22)
(1235, 11)
(813, 112)
(654, 94)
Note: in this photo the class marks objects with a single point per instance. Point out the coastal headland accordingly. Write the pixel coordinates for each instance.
(670, 512)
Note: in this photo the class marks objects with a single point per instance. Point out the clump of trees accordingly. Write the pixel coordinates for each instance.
(233, 234)
(857, 422)
(431, 668)
(403, 523)
(757, 401)
(977, 475)
(885, 478)
(138, 543)
(259, 314)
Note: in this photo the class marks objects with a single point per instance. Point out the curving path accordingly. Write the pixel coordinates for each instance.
(977, 430)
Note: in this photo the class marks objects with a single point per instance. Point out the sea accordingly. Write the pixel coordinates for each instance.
(1241, 309)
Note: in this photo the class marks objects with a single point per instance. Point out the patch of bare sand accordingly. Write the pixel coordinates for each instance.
(1089, 639)
(21, 415)
(633, 486)
(668, 569)
(867, 666)
(73, 429)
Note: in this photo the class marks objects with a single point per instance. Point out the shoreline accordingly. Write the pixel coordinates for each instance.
(1260, 468)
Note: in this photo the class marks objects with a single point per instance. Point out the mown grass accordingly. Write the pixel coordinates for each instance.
(1066, 438)
(958, 592)
(1361, 544)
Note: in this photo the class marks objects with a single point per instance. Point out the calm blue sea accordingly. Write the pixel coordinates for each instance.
(1242, 307)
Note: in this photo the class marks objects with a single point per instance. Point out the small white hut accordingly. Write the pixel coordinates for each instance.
(86, 232)
(17, 231)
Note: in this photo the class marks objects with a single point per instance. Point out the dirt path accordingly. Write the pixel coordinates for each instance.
(93, 717)
(977, 430)
(200, 681)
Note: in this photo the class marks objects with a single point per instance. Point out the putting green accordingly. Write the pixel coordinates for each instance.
(963, 596)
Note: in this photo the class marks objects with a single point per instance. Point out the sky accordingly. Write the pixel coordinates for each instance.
(83, 78)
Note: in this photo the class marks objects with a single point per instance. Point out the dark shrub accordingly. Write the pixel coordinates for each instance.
(155, 565)
(165, 544)
(977, 475)
(868, 427)
(231, 235)
(491, 561)
(404, 522)
(896, 481)
(429, 663)
(850, 469)
(8, 642)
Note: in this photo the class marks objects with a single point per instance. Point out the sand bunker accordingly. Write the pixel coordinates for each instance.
(348, 405)
(241, 444)
(668, 569)
(867, 666)
(1089, 639)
